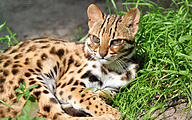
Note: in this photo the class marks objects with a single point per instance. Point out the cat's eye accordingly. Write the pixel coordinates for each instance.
(95, 39)
(116, 42)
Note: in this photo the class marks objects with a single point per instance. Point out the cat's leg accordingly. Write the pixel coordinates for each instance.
(88, 101)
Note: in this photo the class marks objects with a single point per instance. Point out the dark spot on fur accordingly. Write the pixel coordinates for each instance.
(69, 97)
(60, 53)
(96, 106)
(21, 80)
(15, 71)
(1, 91)
(61, 92)
(17, 62)
(63, 85)
(94, 66)
(15, 88)
(37, 94)
(11, 82)
(5, 73)
(31, 79)
(17, 65)
(55, 69)
(39, 78)
(93, 78)
(38, 70)
(89, 57)
(52, 51)
(2, 79)
(76, 83)
(15, 112)
(39, 86)
(43, 56)
(81, 91)
(103, 70)
(70, 60)
(13, 51)
(47, 108)
(39, 64)
(71, 80)
(8, 110)
(53, 100)
(82, 84)
(15, 100)
(73, 88)
(18, 56)
(11, 96)
(31, 49)
(87, 107)
(77, 64)
(87, 74)
(32, 82)
(45, 91)
(79, 70)
(27, 74)
(5, 50)
(58, 84)
(83, 95)
(45, 46)
(81, 101)
(8, 62)
(23, 44)
(26, 61)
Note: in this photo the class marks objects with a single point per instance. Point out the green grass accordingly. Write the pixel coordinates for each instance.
(164, 49)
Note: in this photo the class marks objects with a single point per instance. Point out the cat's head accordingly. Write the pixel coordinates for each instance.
(111, 37)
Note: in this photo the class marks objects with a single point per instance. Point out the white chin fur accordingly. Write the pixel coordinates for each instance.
(103, 61)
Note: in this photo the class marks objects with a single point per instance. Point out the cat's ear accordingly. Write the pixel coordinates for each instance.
(94, 15)
(131, 19)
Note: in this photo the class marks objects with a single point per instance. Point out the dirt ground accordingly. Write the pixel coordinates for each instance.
(60, 18)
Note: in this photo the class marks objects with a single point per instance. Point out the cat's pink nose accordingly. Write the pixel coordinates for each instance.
(102, 53)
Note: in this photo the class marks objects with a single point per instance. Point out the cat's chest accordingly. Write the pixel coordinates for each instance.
(97, 76)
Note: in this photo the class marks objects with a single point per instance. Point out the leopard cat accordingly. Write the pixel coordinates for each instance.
(63, 69)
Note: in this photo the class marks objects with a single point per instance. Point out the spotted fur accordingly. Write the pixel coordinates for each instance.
(62, 69)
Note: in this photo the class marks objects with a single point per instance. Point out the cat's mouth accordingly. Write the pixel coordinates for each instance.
(104, 61)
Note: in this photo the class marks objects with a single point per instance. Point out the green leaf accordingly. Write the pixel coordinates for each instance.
(19, 96)
(17, 90)
(2, 25)
(5, 103)
(12, 36)
(40, 118)
(82, 39)
(31, 108)
(183, 55)
(185, 37)
(33, 86)
(86, 90)
(21, 117)
(6, 118)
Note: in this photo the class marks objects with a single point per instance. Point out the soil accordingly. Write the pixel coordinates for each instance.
(61, 18)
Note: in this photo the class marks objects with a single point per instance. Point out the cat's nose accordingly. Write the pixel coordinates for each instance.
(102, 53)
